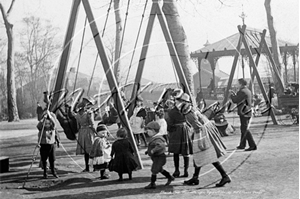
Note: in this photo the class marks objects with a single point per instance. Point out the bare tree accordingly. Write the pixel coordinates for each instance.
(11, 88)
(275, 47)
(40, 49)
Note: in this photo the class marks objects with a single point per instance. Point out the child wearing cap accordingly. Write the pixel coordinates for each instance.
(101, 150)
(156, 150)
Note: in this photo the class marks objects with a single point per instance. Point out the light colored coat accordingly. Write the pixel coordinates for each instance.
(207, 145)
(136, 122)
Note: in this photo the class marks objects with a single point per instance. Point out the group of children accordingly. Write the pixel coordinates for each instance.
(122, 159)
(118, 157)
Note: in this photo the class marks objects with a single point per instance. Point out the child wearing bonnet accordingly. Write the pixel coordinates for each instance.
(101, 150)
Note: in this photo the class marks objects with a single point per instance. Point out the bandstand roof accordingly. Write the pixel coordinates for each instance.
(227, 46)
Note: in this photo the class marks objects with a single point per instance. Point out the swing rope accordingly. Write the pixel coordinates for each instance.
(125, 22)
(104, 28)
(136, 41)
(80, 52)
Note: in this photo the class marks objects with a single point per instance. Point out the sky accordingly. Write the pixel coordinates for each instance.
(202, 20)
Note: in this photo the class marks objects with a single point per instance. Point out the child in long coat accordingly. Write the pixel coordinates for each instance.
(101, 150)
(156, 150)
(122, 153)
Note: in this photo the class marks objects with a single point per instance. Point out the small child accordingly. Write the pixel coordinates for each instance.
(156, 150)
(101, 150)
(122, 151)
(160, 119)
(47, 138)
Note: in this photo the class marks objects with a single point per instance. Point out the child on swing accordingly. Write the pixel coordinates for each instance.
(101, 150)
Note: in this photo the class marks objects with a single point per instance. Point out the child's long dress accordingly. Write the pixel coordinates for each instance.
(124, 161)
(100, 153)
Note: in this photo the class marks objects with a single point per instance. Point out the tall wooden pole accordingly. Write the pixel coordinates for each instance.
(116, 94)
(255, 71)
(236, 57)
(64, 59)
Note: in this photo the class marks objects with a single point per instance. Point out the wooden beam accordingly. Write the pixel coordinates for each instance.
(237, 54)
(142, 60)
(173, 52)
(111, 78)
(255, 71)
(268, 52)
(64, 59)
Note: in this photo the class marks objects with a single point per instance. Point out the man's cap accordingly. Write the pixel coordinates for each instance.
(153, 125)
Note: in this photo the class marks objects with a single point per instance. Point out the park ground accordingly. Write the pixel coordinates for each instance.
(270, 172)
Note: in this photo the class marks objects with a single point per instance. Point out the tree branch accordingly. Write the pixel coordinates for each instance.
(10, 7)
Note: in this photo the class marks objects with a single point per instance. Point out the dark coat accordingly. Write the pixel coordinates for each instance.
(243, 99)
(123, 159)
(156, 150)
(179, 133)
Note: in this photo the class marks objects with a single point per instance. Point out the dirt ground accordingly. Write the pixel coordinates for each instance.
(270, 172)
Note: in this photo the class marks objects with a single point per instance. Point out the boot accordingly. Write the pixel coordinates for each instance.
(176, 173)
(168, 175)
(53, 170)
(103, 176)
(226, 179)
(194, 180)
(120, 177)
(45, 176)
(186, 166)
(152, 184)
(86, 160)
(130, 175)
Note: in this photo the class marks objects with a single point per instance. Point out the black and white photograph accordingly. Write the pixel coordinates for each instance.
(149, 99)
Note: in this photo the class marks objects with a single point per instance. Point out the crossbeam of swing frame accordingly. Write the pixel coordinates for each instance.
(253, 66)
(106, 65)
(157, 11)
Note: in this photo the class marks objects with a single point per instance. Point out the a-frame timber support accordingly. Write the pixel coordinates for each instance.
(157, 11)
(106, 65)
(263, 48)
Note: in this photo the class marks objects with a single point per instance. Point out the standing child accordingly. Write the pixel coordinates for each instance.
(160, 119)
(156, 150)
(101, 150)
(122, 152)
(47, 138)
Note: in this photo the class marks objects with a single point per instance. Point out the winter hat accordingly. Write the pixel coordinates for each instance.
(153, 125)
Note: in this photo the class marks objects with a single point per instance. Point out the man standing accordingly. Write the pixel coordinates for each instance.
(243, 100)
